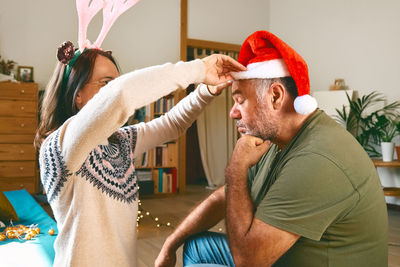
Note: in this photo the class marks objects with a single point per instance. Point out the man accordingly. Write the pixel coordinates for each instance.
(311, 197)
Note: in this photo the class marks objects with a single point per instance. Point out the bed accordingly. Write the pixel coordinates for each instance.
(38, 251)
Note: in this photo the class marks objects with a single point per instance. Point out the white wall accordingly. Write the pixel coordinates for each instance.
(229, 21)
(357, 40)
(147, 34)
(31, 31)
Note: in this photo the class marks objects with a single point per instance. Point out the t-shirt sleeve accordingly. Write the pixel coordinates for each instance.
(310, 193)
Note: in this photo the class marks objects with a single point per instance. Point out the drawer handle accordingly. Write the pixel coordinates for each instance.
(21, 152)
(21, 168)
(22, 125)
(21, 185)
(22, 108)
(22, 91)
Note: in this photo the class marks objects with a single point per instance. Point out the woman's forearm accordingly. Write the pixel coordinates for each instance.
(111, 107)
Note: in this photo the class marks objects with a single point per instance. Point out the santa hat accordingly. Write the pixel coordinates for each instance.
(266, 57)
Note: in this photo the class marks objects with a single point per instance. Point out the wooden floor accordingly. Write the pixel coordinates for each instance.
(173, 209)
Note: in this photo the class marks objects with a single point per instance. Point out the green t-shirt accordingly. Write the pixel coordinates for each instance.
(323, 187)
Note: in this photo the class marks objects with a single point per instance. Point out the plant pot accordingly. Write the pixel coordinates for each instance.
(398, 152)
(387, 151)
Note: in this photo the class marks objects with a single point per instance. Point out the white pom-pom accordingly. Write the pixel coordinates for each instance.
(305, 104)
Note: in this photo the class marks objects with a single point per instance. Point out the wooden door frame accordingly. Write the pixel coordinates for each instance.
(184, 43)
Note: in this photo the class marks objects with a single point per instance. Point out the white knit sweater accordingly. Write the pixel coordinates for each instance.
(91, 184)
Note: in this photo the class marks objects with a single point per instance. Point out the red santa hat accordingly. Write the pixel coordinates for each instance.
(266, 57)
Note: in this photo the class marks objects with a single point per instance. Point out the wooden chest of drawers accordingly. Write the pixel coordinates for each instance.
(18, 124)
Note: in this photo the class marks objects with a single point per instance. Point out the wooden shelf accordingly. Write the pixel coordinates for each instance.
(155, 167)
(18, 124)
(388, 164)
(169, 155)
(388, 191)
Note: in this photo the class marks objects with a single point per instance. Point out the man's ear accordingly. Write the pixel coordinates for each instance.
(277, 94)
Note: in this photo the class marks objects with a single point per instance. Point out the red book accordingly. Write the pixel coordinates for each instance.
(174, 180)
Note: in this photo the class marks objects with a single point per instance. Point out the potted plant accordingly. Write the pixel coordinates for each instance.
(386, 131)
(398, 147)
(6, 66)
(369, 128)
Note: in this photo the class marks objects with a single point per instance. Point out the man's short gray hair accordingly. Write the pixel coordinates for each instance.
(262, 86)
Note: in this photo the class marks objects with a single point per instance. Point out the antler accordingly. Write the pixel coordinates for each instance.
(87, 9)
(111, 11)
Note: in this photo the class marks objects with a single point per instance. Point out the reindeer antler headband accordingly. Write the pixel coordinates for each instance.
(87, 9)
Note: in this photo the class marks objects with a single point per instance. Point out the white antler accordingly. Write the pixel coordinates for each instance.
(87, 9)
(111, 11)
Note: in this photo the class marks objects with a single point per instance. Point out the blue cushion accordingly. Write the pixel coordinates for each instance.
(38, 251)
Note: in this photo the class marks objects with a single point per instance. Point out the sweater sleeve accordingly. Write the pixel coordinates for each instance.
(171, 125)
(108, 110)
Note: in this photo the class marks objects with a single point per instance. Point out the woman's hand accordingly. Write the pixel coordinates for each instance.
(217, 89)
(219, 68)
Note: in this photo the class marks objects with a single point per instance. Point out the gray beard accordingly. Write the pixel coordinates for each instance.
(263, 127)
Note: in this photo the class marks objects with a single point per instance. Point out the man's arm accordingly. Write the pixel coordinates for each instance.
(203, 217)
(252, 242)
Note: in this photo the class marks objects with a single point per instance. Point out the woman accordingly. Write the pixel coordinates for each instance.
(87, 160)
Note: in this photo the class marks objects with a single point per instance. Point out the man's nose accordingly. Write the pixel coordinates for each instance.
(235, 113)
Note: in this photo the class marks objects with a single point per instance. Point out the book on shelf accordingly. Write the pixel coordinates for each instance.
(142, 161)
(144, 175)
(146, 187)
(141, 115)
(166, 155)
(165, 180)
(164, 104)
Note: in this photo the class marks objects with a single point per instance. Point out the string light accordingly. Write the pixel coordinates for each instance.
(20, 232)
(157, 221)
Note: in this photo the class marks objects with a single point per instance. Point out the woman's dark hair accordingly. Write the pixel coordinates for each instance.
(58, 102)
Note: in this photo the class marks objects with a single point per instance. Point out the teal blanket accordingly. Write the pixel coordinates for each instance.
(38, 251)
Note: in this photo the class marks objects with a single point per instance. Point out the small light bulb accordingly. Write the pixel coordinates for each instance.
(158, 225)
(156, 219)
(168, 224)
(220, 229)
(147, 213)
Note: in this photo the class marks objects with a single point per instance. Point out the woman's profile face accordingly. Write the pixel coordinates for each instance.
(104, 71)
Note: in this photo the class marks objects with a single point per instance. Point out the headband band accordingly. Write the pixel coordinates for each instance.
(66, 55)
(68, 68)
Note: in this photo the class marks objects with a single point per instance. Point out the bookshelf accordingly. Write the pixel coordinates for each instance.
(158, 169)
(174, 151)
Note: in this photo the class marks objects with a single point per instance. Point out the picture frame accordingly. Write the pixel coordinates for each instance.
(25, 73)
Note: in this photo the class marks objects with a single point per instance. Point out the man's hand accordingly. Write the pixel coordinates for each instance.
(219, 67)
(248, 151)
(166, 258)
